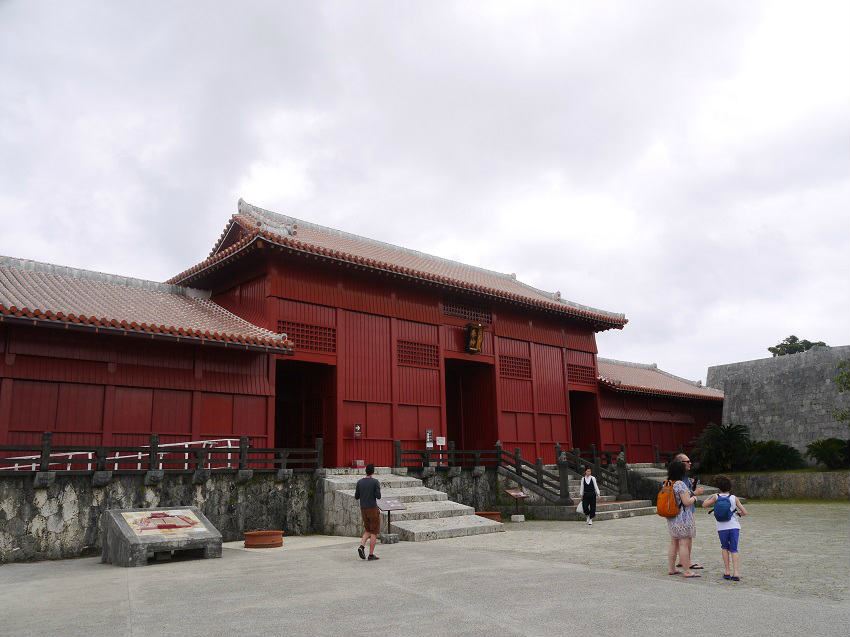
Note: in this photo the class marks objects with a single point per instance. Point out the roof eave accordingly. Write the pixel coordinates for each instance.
(633, 389)
(134, 333)
(599, 323)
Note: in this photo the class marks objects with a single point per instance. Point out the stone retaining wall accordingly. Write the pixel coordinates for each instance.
(463, 485)
(788, 398)
(820, 485)
(63, 520)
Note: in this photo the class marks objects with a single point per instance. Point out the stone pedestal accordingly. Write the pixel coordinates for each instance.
(517, 518)
(388, 538)
(132, 536)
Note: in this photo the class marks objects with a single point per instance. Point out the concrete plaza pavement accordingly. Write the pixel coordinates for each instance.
(539, 578)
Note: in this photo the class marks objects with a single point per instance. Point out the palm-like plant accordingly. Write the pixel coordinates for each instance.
(723, 447)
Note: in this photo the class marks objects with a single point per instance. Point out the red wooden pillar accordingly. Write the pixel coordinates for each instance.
(532, 353)
(394, 375)
(441, 349)
(497, 375)
(271, 425)
(341, 371)
(569, 441)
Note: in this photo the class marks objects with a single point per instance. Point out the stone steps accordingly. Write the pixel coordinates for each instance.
(654, 473)
(441, 528)
(431, 510)
(602, 516)
(604, 511)
(429, 515)
(600, 498)
(388, 481)
(407, 494)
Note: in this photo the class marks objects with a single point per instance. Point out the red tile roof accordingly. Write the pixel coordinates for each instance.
(56, 295)
(648, 379)
(303, 236)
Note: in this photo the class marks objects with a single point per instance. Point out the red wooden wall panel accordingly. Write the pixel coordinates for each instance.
(34, 406)
(645, 422)
(550, 383)
(172, 412)
(417, 332)
(80, 408)
(133, 410)
(216, 415)
(418, 386)
(249, 416)
(407, 425)
(247, 299)
(367, 357)
(308, 313)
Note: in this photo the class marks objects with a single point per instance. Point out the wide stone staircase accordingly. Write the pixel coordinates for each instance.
(429, 514)
(607, 505)
(657, 473)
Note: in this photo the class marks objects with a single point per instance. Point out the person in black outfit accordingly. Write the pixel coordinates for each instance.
(368, 491)
(588, 492)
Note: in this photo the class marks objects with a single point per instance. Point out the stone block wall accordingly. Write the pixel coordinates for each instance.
(63, 520)
(787, 398)
(815, 485)
(477, 491)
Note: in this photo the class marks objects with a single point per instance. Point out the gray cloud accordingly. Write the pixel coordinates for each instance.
(685, 164)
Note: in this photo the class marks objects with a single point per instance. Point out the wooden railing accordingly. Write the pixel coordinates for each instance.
(534, 475)
(169, 458)
(607, 475)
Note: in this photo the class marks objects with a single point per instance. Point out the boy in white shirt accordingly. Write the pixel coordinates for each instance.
(726, 506)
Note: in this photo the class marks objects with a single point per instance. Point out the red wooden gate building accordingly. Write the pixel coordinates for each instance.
(290, 331)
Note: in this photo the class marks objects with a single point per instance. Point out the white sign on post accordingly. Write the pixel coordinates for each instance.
(441, 441)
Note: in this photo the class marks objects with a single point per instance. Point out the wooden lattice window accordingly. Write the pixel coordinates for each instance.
(475, 313)
(581, 374)
(418, 354)
(309, 338)
(515, 367)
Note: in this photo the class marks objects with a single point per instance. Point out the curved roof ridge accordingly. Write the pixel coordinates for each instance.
(654, 367)
(359, 237)
(614, 361)
(291, 225)
(102, 277)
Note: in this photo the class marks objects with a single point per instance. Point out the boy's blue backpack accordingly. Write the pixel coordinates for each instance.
(723, 510)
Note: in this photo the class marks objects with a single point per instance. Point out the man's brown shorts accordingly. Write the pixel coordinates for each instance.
(371, 520)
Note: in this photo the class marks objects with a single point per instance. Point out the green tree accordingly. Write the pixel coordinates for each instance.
(792, 345)
(723, 447)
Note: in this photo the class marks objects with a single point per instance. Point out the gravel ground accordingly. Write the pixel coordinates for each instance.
(793, 549)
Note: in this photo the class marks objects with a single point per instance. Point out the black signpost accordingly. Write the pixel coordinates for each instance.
(389, 505)
(517, 495)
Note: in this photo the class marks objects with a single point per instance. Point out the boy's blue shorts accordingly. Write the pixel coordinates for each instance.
(729, 540)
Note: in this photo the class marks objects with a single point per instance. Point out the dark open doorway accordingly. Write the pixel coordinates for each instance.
(305, 403)
(470, 405)
(584, 419)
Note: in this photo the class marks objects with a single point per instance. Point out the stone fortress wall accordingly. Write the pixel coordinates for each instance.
(788, 398)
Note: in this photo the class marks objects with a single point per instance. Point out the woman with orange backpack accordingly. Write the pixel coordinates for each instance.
(682, 527)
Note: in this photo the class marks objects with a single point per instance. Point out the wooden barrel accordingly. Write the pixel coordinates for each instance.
(263, 539)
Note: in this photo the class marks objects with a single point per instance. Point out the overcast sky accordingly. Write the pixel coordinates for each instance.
(686, 163)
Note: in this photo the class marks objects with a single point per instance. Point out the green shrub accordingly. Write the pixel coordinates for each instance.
(772, 455)
(833, 453)
(723, 447)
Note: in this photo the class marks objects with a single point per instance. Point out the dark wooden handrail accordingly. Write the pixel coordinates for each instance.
(154, 457)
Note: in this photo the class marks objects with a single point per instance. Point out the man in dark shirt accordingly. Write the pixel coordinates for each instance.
(368, 491)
